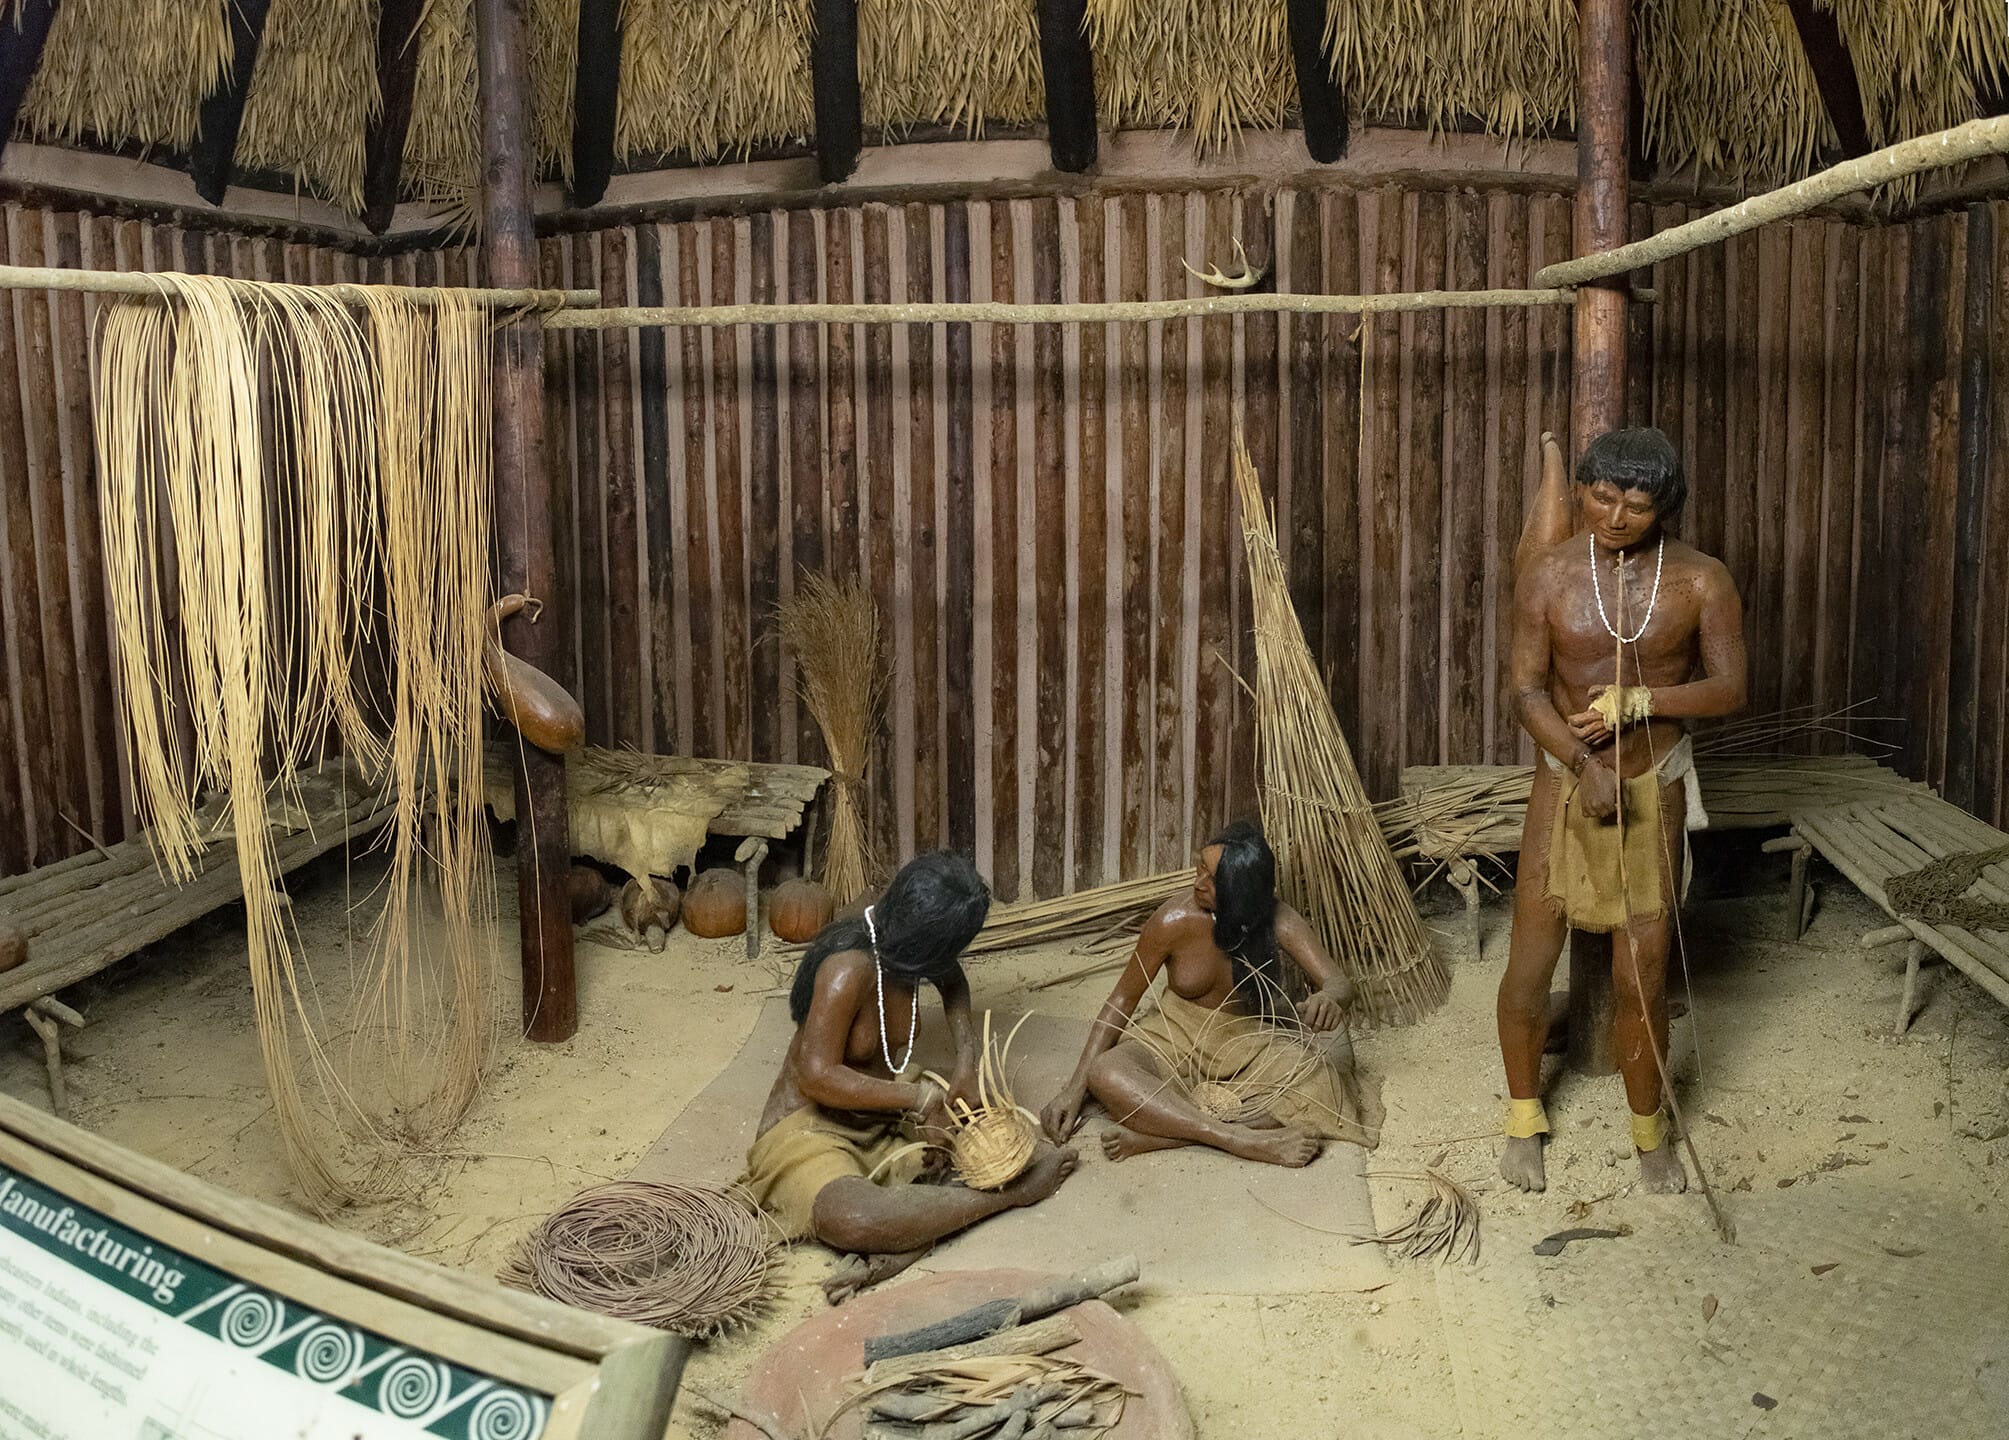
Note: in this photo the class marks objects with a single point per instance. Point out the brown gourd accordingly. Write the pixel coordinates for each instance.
(798, 909)
(715, 905)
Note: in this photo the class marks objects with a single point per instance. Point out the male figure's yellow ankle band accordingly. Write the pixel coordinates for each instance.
(1649, 1132)
(1525, 1119)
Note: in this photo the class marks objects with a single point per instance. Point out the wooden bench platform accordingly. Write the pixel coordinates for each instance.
(92, 910)
(649, 814)
(1872, 842)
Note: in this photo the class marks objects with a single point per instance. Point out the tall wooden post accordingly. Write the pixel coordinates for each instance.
(523, 515)
(1597, 399)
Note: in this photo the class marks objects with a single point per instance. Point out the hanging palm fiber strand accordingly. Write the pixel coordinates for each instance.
(311, 484)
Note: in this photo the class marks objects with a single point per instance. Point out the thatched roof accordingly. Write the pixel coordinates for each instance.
(1726, 85)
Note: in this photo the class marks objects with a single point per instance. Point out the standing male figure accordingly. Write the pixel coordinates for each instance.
(1621, 635)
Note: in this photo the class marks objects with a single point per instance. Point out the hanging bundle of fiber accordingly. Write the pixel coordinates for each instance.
(307, 484)
(1332, 862)
(832, 629)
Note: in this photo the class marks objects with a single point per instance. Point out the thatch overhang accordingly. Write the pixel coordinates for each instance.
(1726, 88)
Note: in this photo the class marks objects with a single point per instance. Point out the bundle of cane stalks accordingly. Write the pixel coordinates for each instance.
(832, 629)
(993, 1141)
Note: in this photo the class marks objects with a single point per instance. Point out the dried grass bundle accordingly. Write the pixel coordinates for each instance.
(1931, 63)
(1511, 64)
(949, 62)
(993, 1142)
(1188, 65)
(832, 628)
(1444, 1227)
(127, 72)
(553, 39)
(314, 96)
(1726, 86)
(712, 78)
(362, 468)
(1332, 862)
(676, 1255)
(443, 147)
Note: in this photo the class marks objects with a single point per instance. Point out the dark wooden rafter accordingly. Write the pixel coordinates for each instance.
(20, 57)
(596, 87)
(1070, 84)
(1321, 101)
(833, 68)
(223, 111)
(397, 76)
(1835, 74)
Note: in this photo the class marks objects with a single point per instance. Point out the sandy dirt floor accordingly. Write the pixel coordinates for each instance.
(1807, 1111)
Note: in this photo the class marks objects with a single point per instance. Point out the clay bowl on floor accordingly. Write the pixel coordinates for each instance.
(807, 1369)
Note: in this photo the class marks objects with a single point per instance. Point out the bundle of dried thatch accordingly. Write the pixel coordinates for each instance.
(1207, 68)
(443, 147)
(129, 71)
(832, 628)
(710, 78)
(273, 419)
(1512, 63)
(949, 62)
(1332, 862)
(313, 95)
(1727, 87)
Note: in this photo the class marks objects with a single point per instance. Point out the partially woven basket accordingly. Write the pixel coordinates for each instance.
(993, 1141)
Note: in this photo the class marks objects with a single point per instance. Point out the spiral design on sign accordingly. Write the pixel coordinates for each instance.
(328, 1354)
(251, 1319)
(504, 1415)
(411, 1387)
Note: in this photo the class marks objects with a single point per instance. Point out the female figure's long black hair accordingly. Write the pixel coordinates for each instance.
(928, 915)
(1245, 916)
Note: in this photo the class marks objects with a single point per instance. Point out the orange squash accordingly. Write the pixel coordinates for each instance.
(715, 905)
(797, 909)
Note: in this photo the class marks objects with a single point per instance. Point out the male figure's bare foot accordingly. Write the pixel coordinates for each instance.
(1521, 1164)
(1050, 1165)
(1120, 1143)
(861, 1272)
(1286, 1145)
(1660, 1170)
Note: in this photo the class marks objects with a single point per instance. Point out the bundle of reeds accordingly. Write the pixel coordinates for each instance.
(993, 1141)
(711, 78)
(949, 62)
(310, 114)
(832, 629)
(442, 165)
(1511, 64)
(1207, 69)
(114, 69)
(1332, 862)
(1104, 911)
(273, 419)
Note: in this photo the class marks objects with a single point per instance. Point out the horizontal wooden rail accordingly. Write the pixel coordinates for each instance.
(139, 282)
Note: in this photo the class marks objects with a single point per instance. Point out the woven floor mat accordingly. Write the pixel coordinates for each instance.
(1906, 1335)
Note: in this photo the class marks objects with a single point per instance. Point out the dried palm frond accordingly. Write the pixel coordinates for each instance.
(443, 147)
(712, 78)
(1210, 69)
(314, 96)
(1332, 862)
(949, 62)
(1512, 64)
(127, 72)
(554, 69)
(1444, 1227)
(832, 628)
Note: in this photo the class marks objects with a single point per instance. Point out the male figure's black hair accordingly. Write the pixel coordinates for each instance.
(1245, 914)
(1641, 459)
(928, 915)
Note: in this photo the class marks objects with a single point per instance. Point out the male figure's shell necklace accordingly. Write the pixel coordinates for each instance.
(1597, 590)
(913, 1011)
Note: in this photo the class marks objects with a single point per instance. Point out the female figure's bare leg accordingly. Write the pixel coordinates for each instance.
(1142, 1099)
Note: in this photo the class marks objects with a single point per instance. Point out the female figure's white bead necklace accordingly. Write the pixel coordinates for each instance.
(913, 1012)
(1651, 600)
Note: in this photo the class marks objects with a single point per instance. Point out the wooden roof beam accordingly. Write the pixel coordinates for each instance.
(1835, 74)
(20, 58)
(596, 89)
(833, 70)
(1321, 102)
(223, 110)
(1069, 71)
(397, 76)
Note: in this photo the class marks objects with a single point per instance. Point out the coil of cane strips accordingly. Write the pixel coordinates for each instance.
(678, 1256)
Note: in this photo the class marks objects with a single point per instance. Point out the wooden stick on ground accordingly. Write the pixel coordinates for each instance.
(1003, 1313)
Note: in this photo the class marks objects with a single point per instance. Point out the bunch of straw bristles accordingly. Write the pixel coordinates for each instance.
(323, 475)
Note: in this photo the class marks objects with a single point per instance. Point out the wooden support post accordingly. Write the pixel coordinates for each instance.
(1598, 394)
(1320, 102)
(752, 853)
(833, 74)
(397, 78)
(20, 57)
(1070, 84)
(523, 519)
(1971, 625)
(1914, 956)
(596, 86)
(223, 112)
